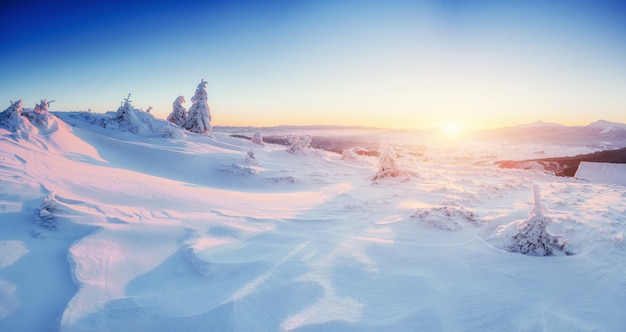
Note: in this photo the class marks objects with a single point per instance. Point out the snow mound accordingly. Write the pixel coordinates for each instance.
(354, 154)
(13, 120)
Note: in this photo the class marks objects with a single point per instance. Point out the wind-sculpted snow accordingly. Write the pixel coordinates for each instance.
(195, 233)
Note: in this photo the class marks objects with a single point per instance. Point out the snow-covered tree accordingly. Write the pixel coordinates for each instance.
(43, 106)
(352, 154)
(298, 144)
(149, 110)
(125, 109)
(179, 113)
(128, 118)
(45, 214)
(533, 238)
(387, 163)
(199, 117)
(257, 138)
(39, 115)
(250, 158)
(11, 118)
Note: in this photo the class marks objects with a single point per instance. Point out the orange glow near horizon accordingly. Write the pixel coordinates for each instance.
(447, 128)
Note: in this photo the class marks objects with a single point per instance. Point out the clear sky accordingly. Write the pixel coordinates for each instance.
(400, 64)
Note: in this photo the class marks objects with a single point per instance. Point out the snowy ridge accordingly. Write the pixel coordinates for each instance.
(192, 232)
(607, 126)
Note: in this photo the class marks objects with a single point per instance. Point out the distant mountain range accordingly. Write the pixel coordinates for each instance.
(601, 134)
(609, 137)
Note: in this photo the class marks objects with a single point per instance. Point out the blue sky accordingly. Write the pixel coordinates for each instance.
(403, 64)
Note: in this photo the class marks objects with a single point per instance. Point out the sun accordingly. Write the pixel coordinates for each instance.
(451, 130)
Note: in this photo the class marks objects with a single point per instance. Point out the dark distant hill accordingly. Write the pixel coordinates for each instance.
(566, 166)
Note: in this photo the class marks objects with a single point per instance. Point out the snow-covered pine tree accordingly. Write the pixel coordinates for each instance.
(533, 238)
(11, 118)
(179, 113)
(199, 117)
(388, 165)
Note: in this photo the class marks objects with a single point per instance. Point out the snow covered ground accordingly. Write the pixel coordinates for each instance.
(602, 172)
(107, 230)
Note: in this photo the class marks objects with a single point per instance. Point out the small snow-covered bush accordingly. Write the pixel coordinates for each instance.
(11, 118)
(39, 115)
(282, 179)
(44, 216)
(250, 158)
(532, 236)
(239, 170)
(257, 138)
(446, 217)
(298, 144)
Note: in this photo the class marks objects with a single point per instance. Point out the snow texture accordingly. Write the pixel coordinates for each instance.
(183, 234)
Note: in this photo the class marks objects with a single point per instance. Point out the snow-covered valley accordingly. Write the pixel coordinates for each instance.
(104, 229)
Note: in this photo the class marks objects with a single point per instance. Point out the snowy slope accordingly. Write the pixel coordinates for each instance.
(103, 230)
(602, 172)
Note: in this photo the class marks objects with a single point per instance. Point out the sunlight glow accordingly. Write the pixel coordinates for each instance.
(451, 130)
